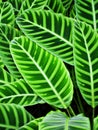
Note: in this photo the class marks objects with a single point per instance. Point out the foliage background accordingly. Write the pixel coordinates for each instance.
(48, 64)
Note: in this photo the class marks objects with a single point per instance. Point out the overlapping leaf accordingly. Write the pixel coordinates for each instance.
(1, 63)
(32, 125)
(16, 4)
(67, 4)
(34, 4)
(13, 116)
(45, 73)
(59, 121)
(86, 62)
(18, 92)
(7, 33)
(87, 11)
(96, 123)
(5, 77)
(50, 30)
(6, 13)
(56, 6)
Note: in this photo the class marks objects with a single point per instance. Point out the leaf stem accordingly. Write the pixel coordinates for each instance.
(93, 115)
(71, 111)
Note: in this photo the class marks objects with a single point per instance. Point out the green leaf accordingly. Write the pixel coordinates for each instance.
(7, 33)
(18, 92)
(13, 116)
(96, 123)
(86, 62)
(45, 73)
(16, 4)
(5, 77)
(87, 11)
(34, 4)
(51, 31)
(6, 13)
(67, 4)
(32, 125)
(59, 121)
(1, 63)
(56, 6)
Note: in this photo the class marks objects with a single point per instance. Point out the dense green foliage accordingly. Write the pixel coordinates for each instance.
(49, 55)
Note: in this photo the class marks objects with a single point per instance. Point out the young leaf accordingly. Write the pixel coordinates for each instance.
(13, 116)
(45, 73)
(51, 31)
(18, 92)
(7, 33)
(6, 13)
(87, 11)
(86, 62)
(59, 121)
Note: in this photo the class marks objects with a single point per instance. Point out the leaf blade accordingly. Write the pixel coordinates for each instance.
(41, 74)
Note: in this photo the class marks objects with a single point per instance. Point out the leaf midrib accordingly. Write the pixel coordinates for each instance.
(45, 76)
(51, 32)
(90, 68)
(94, 16)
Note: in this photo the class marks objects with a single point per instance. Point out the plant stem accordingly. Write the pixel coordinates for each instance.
(93, 115)
(80, 106)
(71, 110)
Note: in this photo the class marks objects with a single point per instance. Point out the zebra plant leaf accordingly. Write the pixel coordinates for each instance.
(7, 33)
(45, 73)
(5, 77)
(32, 125)
(56, 6)
(6, 13)
(87, 11)
(59, 121)
(13, 116)
(34, 4)
(67, 4)
(1, 63)
(86, 62)
(96, 123)
(51, 31)
(16, 4)
(18, 92)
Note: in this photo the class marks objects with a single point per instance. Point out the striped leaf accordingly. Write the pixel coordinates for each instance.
(59, 121)
(86, 62)
(32, 125)
(16, 4)
(87, 11)
(45, 73)
(67, 4)
(5, 77)
(34, 4)
(56, 6)
(1, 63)
(72, 12)
(51, 31)
(96, 123)
(18, 92)
(12, 117)
(7, 33)
(6, 13)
